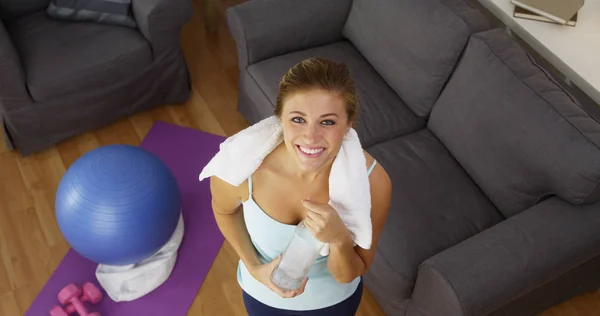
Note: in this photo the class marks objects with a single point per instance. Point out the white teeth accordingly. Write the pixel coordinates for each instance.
(311, 151)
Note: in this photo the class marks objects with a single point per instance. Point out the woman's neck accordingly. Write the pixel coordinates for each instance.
(312, 175)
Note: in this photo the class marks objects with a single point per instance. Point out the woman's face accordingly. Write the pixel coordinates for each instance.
(314, 124)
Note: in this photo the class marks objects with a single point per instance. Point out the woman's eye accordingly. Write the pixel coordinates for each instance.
(301, 120)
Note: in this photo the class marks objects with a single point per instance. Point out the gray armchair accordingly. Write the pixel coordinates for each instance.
(62, 78)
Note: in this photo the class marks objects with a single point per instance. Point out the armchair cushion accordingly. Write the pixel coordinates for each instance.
(101, 11)
(13, 9)
(63, 57)
(435, 205)
(382, 116)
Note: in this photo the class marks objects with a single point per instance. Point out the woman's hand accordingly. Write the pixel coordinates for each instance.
(263, 272)
(325, 223)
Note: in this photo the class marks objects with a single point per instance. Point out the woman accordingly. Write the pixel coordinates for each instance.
(317, 105)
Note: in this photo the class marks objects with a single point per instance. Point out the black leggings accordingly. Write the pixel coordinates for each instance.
(348, 307)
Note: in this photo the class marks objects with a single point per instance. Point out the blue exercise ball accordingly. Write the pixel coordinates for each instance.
(118, 205)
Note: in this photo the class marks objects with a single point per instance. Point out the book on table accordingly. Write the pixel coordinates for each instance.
(529, 15)
(560, 11)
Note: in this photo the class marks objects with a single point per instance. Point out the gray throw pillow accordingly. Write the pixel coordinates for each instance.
(114, 12)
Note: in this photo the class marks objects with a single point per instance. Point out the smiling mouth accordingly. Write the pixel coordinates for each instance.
(310, 152)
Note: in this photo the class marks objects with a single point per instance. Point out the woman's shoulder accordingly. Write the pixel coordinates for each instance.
(378, 178)
(369, 158)
(380, 186)
(226, 197)
(243, 189)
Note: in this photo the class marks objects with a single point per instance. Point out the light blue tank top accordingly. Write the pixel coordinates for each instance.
(270, 238)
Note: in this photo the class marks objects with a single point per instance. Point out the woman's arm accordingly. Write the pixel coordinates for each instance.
(346, 262)
(227, 205)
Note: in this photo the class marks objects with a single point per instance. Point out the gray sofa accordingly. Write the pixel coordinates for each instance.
(61, 78)
(495, 167)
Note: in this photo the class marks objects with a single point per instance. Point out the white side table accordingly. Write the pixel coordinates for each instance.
(574, 51)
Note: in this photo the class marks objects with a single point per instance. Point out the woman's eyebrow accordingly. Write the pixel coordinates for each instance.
(324, 115)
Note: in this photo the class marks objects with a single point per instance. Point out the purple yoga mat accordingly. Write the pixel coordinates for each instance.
(186, 151)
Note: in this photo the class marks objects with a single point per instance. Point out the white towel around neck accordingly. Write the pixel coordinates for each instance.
(349, 190)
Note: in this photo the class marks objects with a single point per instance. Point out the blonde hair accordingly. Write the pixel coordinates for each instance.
(319, 73)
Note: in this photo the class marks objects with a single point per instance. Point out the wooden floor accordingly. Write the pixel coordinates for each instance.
(31, 245)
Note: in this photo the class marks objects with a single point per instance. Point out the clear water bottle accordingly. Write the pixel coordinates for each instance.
(299, 256)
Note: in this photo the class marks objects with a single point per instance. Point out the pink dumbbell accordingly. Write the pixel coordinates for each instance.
(71, 297)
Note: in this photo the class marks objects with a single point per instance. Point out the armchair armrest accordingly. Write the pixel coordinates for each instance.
(267, 28)
(13, 91)
(161, 21)
(512, 259)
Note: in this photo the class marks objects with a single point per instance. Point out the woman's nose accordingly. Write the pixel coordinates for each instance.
(312, 134)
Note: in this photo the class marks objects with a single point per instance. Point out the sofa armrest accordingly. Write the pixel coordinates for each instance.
(161, 21)
(508, 260)
(267, 28)
(13, 90)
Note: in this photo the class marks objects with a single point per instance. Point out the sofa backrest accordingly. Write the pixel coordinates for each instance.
(413, 44)
(515, 130)
(10, 9)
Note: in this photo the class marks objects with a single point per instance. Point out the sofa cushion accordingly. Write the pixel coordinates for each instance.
(518, 134)
(413, 44)
(435, 205)
(62, 57)
(382, 116)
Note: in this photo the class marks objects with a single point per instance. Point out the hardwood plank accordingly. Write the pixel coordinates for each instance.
(6, 285)
(180, 116)
(24, 296)
(220, 294)
(13, 199)
(369, 305)
(8, 304)
(120, 132)
(142, 123)
(200, 113)
(163, 114)
(18, 257)
(27, 227)
(13, 194)
(41, 173)
(3, 142)
(233, 73)
(71, 149)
